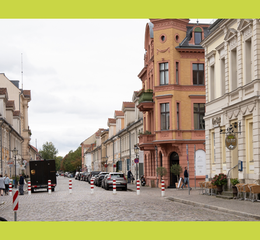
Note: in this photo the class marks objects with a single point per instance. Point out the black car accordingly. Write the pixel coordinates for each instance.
(92, 174)
(99, 178)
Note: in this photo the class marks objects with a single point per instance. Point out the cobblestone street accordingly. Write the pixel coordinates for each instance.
(103, 205)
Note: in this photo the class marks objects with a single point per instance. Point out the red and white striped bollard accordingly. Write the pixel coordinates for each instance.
(138, 187)
(49, 186)
(92, 186)
(70, 186)
(29, 187)
(163, 189)
(15, 204)
(10, 189)
(114, 186)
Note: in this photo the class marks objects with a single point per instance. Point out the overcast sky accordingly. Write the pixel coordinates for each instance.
(79, 72)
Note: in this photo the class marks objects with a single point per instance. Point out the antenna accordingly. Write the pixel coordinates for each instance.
(22, 69)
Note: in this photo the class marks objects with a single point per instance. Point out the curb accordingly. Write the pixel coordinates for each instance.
(225, 210)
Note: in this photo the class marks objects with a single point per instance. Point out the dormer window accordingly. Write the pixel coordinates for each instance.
(197, 35)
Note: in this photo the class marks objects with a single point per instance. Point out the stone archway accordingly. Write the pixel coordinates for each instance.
(174, 159)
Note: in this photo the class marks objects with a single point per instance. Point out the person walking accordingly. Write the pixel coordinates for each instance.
(129, 176)
(7, 181)
(186, 179)
(21, 184)
(2, 185)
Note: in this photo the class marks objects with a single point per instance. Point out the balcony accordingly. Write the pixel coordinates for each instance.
(146, 101)
(146, 141)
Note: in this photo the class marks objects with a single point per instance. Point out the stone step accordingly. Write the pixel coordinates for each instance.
(225, 196)
(227, 193)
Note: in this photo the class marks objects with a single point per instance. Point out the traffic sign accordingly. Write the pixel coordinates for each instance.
(105, 165)
(137, 160)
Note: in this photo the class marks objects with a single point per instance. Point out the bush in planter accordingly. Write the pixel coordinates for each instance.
(219, 180)
(234, 181)
(176, 169)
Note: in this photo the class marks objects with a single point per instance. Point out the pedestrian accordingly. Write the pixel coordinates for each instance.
(186, 179)
(7, 181)
(2, 185)
(21, 184)
(129, 176)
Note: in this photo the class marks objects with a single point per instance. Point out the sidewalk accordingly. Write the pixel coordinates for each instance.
(232, 206)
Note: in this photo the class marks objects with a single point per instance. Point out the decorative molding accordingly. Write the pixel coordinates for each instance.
(180, 88)
(163, 51)
(195, 55)
(233, 43)
(216, 121)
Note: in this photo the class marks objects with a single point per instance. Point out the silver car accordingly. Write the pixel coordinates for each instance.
(120, 180)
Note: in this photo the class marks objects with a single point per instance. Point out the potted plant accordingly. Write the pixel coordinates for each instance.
(161, 171)
(176, 169)
(219, 181)
(234, 181)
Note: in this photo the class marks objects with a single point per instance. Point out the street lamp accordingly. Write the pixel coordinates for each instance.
(136, 148)
(15, 152)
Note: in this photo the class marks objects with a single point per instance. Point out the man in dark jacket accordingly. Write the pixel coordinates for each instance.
(186, 179)
(129, 176)
(21, 183)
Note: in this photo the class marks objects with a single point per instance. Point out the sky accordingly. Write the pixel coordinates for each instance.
(79, 72)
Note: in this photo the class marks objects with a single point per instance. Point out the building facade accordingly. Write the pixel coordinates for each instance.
(232, 59)
(172, 98)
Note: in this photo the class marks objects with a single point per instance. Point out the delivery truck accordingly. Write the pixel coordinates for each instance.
(40, 172)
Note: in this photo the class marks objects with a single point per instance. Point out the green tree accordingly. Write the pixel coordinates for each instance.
(71, 161)
(161, 171)
(48, 151)
(58, 162)
(176, 169)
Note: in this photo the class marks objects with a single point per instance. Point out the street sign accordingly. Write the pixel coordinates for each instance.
(137, 160)
(105, 165)
(114, 165)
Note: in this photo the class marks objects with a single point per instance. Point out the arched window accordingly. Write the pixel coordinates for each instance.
(197, 35)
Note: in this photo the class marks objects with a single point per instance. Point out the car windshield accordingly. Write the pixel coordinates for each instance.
(117, 175)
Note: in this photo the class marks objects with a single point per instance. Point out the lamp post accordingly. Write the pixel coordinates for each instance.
(156, 156)
(15, 152)
(136, 148)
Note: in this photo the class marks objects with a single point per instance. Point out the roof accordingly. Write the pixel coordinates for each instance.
(111, 120)
(128, 104)
(16, 113)
(119, 113)
(27, 93)
(3, 91)
(10, 104)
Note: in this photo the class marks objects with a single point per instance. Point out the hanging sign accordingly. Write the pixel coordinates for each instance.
(231, 141)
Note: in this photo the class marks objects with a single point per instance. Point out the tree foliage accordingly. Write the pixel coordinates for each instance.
(176, 169)
(161, 171)
(72, 161)
(48, 151)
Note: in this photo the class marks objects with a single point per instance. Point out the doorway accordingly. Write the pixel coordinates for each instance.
(174, 159)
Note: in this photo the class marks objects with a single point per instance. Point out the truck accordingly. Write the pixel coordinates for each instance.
(40, 172)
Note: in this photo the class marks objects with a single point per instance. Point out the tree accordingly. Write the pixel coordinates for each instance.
(48, 151)
(176, 169)
(71, 161)
(161, 171)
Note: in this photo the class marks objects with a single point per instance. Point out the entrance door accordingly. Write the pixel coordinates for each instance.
(174, 159)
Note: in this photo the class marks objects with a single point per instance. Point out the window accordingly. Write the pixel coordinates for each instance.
(198, 73)
(199, 112)
(222, 75)
(212, 82)
(164, 74)
(197, 35)
(233, 69)
(177, 73)
(178, 116)
(165, 116)
(248, 61)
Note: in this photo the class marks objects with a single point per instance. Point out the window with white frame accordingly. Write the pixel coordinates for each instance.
(222, 75)
(233, 68)
(164, 73)
(165, 116)
(248, 61)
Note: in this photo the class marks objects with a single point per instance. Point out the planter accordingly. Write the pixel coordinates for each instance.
(234, 191)
(219, 189)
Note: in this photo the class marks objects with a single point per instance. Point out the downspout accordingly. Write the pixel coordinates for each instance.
(1, 147)
(113, 155)
(130, 148)
(10, 146)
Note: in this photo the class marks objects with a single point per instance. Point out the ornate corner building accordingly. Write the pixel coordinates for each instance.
(172, 98)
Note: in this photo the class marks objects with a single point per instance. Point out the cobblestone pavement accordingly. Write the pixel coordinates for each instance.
(103, 205)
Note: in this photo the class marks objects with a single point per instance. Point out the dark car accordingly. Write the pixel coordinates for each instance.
(99, 178)
(120, 180)
(92, 174)
(83, 176)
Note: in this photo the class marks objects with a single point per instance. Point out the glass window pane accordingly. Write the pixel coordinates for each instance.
(201, 67)
(167, 107)
(196, 107)
(161, 77)
(201, 77)
(202, 107)
(194, 66)
(161, 66)
(166, 65)
(167, 77)
(196, 121)
(162, 108)
(162, 122)
(197, 38)
(202, 122)
(167, 121)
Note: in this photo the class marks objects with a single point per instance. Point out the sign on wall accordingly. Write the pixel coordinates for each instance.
(200, 162)
(231, 141)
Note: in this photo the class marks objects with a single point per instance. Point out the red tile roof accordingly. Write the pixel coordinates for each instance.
(111, 120)
(3, 91)
(27, 93)
(16, 113)
(10, 103)
(128, 104)
(119, 113)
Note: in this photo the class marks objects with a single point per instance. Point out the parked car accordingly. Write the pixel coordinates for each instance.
(82, 176)
(92, 174)
(120, 180)
(86, 176)
(99, 178)
(76, 175)
(103, 181)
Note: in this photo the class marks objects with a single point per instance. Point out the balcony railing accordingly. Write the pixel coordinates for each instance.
(146, 96)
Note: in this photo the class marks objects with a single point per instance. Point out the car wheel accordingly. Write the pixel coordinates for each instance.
(125, 188)
(107, 187)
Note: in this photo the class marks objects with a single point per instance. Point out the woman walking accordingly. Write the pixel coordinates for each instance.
(2, 185)
(7, 181)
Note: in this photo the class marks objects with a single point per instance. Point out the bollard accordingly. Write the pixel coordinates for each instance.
(70, 186)
(163, 189)
(49, 186)
(138, 187)
(10, 189)
(15, 204)
(92, 185)
(29, 187)
(114, 186)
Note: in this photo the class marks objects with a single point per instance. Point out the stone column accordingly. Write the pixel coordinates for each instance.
(256, 141)
(256, 48)
(242, 146)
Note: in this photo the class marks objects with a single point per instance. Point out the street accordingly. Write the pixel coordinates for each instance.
(103, 205)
